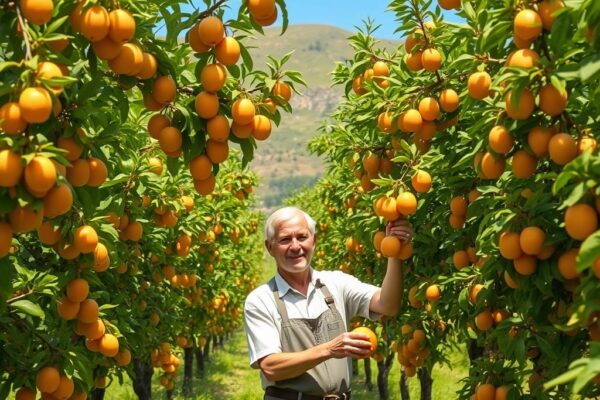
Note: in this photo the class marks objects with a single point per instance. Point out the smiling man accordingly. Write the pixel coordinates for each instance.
(296, 324)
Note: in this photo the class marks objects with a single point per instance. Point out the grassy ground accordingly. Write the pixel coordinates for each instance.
(229, 377)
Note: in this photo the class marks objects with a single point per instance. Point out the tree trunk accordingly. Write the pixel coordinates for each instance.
(188, 367)
(475, 352)
(426, 383)
(97, 394)
(354, 367)
(199, 362)
(383, 372)
(221, 341)
(206, 352)
(215, 342)
(142, 380)
(169, 394)
(404, 392)
(368, 382)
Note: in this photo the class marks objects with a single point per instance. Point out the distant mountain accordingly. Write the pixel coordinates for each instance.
(283, 162)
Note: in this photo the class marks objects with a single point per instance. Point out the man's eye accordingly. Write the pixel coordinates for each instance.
(284, 241)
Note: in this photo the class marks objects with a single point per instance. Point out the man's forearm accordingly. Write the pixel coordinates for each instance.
(392, 286)
(281, 366)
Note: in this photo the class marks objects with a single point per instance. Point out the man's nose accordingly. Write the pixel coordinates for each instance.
(295, 244)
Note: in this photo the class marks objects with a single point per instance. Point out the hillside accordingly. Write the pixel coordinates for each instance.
(282, 162)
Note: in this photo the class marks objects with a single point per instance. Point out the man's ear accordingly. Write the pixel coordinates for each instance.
(315, 239)
(268, 245)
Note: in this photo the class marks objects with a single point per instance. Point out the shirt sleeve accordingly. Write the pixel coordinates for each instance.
(357, 297)
(261, 331)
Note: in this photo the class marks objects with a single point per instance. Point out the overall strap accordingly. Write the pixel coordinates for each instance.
(328, 297)
(280, 306)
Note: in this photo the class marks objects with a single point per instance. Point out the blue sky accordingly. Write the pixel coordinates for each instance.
(342, 13)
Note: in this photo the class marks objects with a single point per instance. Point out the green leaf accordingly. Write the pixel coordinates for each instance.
(590, 68)
(564, 378)
(590, 250)
(29, 307)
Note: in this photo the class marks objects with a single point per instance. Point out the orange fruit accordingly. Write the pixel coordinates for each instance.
(218, 128)
(449, 4)
(47, 379)
(458, 205)
(581, 220)
(433, 293)
(156, 123)
(261, 127)
(25, 219)
(449, 100)
(431, 59)
(47, 234)
(205, 186)
(37, 12)
(390, 246)
(260, 9)
(586, 143)
(151, 104)
(58, 201)
(525, 264)
(406, 203)
(527, 25)
(524, 165)
(211, 30)
(200, 167)
(88, 311)
(155, 165)
(35, 104)
(282, 90)
(98, 172)
(101, 258)
(78, 290)
(410, 121)
(414, 61)
(523, 58)
(6, 234)
(562, 148)
(457, 221)
(134, 231)
(522, 107)
(67, 309)
(492, 167)
(389, 210)
(509, 245)
(123, 358)
(380, 68)
(227, 52)
(67, 251)
(521, 43)
(429, 109)
(531, 240)
(65, 388)
(372, 337)
(486, 391)
(378, 238)
(484, 320)
(108, 345)
(217, 152)
(149, 66)
(122, 25)
(94, 23)
(500, 139)
(129, 61)
(73, 149)
(79, 174)
(474, 292)
(242, 131)
(164, 89)
(479, 84)
(547, 10)
(170, 139)
(552, 101)
(48, 70)
(85, 239)
(567, 264)
(106, 49)
(24, 393)
(207, 105)
(269, 20)
(385, 122)
(243, 111)
(213, 77)
(357, 85)
(11, 117)
(538, 140)
(421, 181)
(11, 168)
(193, 38)
(501, 393)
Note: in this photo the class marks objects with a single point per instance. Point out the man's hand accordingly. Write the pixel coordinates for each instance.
(400, 228)
(349, 344)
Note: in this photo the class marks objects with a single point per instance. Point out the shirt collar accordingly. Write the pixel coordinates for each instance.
(283, 287)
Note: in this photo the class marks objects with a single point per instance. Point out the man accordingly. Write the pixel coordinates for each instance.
(296, 323)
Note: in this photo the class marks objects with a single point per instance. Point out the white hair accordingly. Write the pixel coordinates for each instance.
(285, 214)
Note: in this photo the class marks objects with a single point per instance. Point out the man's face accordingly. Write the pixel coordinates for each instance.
(292, 245)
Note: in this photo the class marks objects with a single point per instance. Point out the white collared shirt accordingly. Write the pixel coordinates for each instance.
(263, 322)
